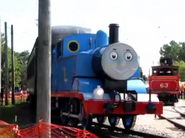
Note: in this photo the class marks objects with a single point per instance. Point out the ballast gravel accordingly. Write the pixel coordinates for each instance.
(152, 125)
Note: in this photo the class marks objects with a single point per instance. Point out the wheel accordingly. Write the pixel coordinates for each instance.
(85, 119)
(74, 110)
(113, 121)
(129, 121)
(101, 119)
(63, 105)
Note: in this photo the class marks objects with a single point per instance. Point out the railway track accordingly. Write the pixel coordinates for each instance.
(117, 132)
(106, 131)
(175, 123)
(109, 132)
(182, 114)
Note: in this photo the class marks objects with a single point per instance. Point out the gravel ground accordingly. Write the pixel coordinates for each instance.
(148, 124)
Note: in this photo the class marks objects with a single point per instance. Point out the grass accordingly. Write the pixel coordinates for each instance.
(8, 114)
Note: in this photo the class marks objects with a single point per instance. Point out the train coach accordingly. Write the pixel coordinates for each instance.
(93, 76)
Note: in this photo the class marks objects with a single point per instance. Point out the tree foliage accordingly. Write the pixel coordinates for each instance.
(173, 50)
(181, 65)
(20, 61)
(23, 58)
(176, 51)
(144, 77)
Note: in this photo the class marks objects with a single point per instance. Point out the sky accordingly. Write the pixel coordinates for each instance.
(144, 24)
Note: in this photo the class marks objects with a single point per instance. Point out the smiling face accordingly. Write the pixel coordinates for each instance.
(119, 61)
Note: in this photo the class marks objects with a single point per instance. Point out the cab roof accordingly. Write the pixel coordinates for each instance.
(59, 32)
(161, 67)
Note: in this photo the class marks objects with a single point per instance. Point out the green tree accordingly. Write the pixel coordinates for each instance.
(181, 65)
(16, 61)
(23, 59)
(182, 51)
(171, 50)
(176, 51)
(141, 72)
(144, 77)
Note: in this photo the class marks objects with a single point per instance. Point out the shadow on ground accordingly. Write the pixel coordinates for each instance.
(20, 114)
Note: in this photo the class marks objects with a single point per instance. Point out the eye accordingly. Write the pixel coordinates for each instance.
(113, 55)
(128, 56)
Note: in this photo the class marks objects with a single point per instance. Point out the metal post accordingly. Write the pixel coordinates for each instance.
(1, 99)
(44, 63)
(12, 59)
(6, 66)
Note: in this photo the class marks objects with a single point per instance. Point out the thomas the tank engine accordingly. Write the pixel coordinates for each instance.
(115, 64)
(91, 77)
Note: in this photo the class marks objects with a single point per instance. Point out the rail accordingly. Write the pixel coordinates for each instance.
(122, 132)
(177, 124)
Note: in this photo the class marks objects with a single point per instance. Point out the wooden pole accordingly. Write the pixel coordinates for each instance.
(6, 66)
(12, 59)
(44, 63)
(1, 99)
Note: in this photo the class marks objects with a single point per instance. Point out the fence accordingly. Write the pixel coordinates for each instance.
(42, 129)
(17, 95)
(8, 130)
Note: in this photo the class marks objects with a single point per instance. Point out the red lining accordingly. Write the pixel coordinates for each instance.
(96, 106)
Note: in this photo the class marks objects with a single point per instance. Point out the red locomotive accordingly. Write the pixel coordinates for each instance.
(164, 81)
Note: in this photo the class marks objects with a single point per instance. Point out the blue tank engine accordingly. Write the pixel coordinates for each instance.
(92, 77)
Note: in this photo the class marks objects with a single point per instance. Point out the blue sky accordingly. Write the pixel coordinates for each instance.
(144, 24)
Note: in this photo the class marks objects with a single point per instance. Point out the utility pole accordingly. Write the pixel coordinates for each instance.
(44, 63)
(1, 99)
(6, 66)
(12, 59)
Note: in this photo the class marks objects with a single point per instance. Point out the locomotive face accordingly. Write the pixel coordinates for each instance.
(119, 61)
